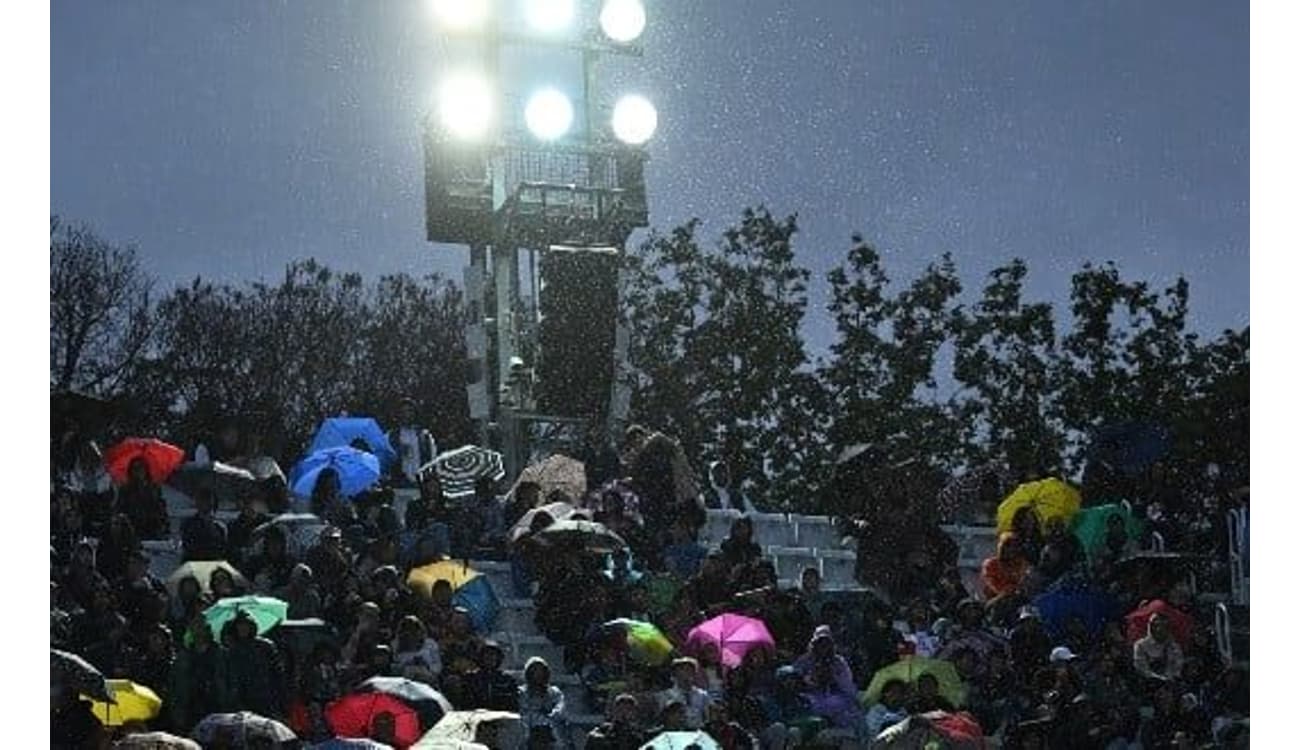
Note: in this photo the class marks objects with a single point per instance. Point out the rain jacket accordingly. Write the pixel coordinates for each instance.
(541, 709)
(1000, 577)
(834, 699)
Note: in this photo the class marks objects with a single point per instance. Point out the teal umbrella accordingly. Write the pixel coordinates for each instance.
(266, 611)
(1089, 526)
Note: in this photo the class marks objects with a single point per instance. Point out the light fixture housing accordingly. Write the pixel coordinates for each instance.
(548, 114)
(634, 120)
(466, 105)
(622, 20)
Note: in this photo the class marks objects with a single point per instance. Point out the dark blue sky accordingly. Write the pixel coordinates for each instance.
(228, 138)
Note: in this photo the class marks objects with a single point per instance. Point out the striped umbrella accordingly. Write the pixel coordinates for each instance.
(460, 470)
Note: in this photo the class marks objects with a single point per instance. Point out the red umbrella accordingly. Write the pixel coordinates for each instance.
(1180, 623)
(354, 716)
(161, 458)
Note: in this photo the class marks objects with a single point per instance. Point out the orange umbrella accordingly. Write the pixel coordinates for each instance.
(161, 459)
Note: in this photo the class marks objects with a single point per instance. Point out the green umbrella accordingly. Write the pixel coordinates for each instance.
(267, 612)
(1089, 525)
(645, 642)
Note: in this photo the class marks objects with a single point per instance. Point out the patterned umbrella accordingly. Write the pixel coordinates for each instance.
(459, 470)
(562, 474)
(937, 730)
(155, 741)
(556, 512)
(503, 728)
(160, 458)
(301, 532)
(241, 730)
(584, 535)
(72, 672)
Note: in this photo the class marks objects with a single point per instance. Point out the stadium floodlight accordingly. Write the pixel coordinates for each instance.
(461, 15)
(549, 114)
(465, 105)
(622, 20)
(549, 16)
(634, 120)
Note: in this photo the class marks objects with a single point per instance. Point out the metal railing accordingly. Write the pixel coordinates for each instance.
(1223, 632)
(1239, 554)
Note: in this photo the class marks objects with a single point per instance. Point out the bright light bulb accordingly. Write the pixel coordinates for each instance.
(461, 15)
(550, 16)
(465, 105)
(635, 120)
(622, 20)
(548, 114)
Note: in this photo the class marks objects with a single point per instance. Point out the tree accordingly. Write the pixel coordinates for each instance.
(1006, 351)
(881, 375)
(101, 311)
(716, 352)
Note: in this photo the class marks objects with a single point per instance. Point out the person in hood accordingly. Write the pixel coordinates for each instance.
(541, 704)
(828, 681)
(1003, 573)
(686, 690)
(1158, 656)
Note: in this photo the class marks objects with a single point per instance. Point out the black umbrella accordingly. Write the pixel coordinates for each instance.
(242, 729)
(69, 671)
(227, 483)
(428, 703)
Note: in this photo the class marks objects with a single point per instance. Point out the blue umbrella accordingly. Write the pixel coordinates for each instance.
(1093, 607)
(337, 432)
(480, 600)
(357, 470)
(1130, 447)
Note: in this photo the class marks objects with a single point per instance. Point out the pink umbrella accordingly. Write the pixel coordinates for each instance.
(731, 636)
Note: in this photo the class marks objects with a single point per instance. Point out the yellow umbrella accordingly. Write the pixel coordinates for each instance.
(454, 572)
(1049, 498)
(909, 669)
(134, 703)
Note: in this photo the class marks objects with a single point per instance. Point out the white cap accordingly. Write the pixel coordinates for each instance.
(1062, 654)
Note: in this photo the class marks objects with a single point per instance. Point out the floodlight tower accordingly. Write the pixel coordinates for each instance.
(513, 166)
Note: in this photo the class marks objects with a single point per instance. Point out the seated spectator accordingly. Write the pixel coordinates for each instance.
(621, 732)
(415, 655)
(302, 595)
(686, 691)
(729, 734)
(684, 555)
(739, 548)
(490, 687)
(606, 675)
(927, 697)
(140, 499)
(889, 710)
(270, 571)
(253, 676)
(1003, 573)
(203, 537)
(828, 681)
(541, 704)
(1158, 656)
